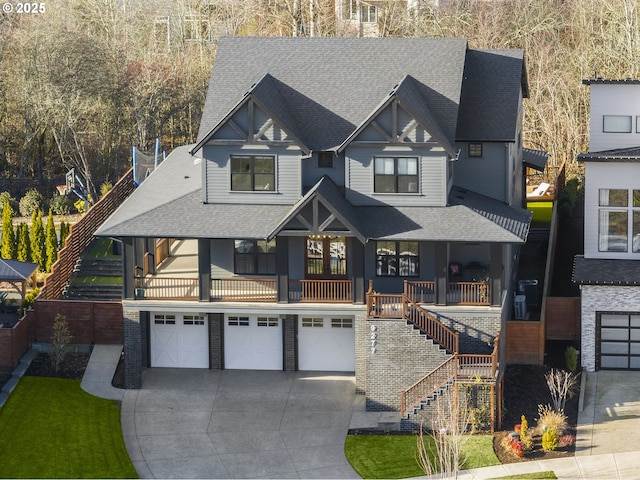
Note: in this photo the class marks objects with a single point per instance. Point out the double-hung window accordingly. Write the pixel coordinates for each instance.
(615, 214)
(397, 259)
(395, 175)
(253, 173)
(253, 257)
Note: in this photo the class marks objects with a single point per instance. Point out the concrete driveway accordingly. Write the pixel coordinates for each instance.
(188, 423)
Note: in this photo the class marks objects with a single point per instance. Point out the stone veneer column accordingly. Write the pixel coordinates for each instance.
(133, 348)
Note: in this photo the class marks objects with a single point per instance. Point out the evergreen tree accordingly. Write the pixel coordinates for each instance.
(24, 243)
(64, 232)
(38, 253)
(8, 236)
(51, 242)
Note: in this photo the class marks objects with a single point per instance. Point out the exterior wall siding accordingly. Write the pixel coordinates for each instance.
(486, 175)
(311, 173)
(218, 176)
(605, 175)
(596, 298)
(613, 100)
(431, 171)
(222, 258)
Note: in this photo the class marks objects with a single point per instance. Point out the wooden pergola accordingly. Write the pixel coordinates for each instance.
(17, 274)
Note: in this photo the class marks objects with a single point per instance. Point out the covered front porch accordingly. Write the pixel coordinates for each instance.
(171, 273)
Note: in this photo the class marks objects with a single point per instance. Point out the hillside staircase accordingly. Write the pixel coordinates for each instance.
(95, 279)
(456, 369)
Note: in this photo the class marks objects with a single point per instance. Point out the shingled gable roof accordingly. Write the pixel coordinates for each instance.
(493, 83)
(410, 99)
(605, 271)
(333, 84)
(328, 193)
(267, 95)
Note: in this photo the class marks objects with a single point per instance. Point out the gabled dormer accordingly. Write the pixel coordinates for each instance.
(399, 155)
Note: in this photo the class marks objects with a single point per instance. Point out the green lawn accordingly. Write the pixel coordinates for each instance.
(548, 475)
(94, 280)
(101, 248)
(51, 428)
(541, 213)
(394, 456)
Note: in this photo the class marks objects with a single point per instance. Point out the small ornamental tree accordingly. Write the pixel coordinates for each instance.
(60, 339)
(23, 249)
(8, 236)
(51, 242)
(31, 202)
(38, 254)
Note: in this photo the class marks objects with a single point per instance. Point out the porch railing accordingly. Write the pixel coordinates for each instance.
(339, 291)
(468, 293)
(420, 291)
(244, 289)
(432, 327)
(167, 288)
(457, 368)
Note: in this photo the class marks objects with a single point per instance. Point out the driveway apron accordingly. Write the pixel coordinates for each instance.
(188, 423)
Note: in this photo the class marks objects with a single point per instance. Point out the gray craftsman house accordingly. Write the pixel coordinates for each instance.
(350, 205)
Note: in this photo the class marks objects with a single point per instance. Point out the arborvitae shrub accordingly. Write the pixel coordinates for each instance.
(549, 440)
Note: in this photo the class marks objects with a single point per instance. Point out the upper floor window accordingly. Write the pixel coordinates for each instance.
(255, 257)
(395, 175)
(397, 259)
(369, 13)
(475, 149)
(253, 173)
(616, 124)
(325, 160)
(350, 10)
(614, 218)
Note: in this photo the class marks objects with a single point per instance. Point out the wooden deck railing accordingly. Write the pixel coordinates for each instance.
(428, 385)
(421, 291)
(339, 291)
(457, 368)
(431, 326)
(167, 288)
(244, 289)
(468, 293)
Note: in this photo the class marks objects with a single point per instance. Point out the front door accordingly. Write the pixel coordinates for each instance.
(326, 257)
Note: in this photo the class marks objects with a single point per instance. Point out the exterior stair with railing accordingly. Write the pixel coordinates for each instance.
(96, 268)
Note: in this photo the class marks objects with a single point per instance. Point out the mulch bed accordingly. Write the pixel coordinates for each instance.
(73, 366)
(525, 388)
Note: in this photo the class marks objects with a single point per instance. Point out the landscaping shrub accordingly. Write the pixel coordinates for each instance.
(8, 235)
(64, 232)
(549, 440)
(571, 359)
(551, 419)
(60, 204)
(23, 247)
(105, 187)
(51, 242)
(38, 253)
(562, 385)
(5, 197)
(31, 202)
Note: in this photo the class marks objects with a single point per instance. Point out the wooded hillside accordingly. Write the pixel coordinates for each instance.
(85, 80)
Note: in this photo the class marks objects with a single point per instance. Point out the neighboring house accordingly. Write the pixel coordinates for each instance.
(609, 270)
(344, 195)
(363, 17)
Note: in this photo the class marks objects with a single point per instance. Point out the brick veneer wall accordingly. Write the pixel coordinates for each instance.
(401, 356)
(216, 341)
(133, 349)
(476, 331)
(290, 345)
(608, 298)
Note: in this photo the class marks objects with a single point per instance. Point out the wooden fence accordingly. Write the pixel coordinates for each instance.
(562, 318)
(81, 236)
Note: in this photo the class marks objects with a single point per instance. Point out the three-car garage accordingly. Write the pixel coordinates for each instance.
(252, 341)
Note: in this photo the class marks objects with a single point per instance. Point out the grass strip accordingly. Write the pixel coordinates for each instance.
(51, 428)
(96, 280)
(395, 456)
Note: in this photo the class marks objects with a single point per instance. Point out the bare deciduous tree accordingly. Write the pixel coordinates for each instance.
(562, 386)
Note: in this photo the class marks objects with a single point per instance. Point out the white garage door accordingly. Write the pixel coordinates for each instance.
(326, 344)
(180, 341)
(253, 343)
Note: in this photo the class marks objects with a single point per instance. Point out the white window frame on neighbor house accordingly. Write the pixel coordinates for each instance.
(618, 214)
(403, 170)
(617, 123)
